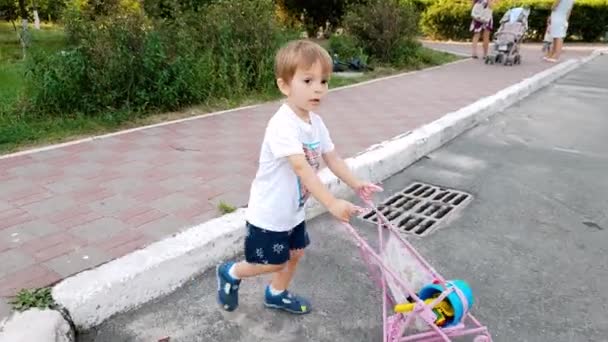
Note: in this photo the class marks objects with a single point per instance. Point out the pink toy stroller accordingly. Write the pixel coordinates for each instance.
(408, 281)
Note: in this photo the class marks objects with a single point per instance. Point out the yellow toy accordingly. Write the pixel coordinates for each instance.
(442, 310)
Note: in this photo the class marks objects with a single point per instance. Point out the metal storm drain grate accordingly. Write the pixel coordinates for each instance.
(420, 208)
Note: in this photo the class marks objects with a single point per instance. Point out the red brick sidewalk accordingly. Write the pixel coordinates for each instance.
(71, 208)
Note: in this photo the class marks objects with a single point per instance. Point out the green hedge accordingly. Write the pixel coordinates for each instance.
(130, 62)
(450, 19)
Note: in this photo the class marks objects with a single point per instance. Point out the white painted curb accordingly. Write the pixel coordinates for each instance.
(36, 325)
(93, 296)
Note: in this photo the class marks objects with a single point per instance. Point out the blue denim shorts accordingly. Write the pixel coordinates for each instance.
(273, 248)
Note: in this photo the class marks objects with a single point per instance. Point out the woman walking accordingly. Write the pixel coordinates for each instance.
(482, 23)
(558, 27)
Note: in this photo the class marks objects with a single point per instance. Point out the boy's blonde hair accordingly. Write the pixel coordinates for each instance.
(302, 54)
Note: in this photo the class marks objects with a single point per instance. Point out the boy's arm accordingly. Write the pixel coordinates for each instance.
(338, 166)
(341, 209)
(310, 180)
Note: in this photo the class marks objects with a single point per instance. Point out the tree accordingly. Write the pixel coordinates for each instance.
(317, 13)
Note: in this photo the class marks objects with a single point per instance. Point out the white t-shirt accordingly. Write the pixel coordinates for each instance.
(277, 197)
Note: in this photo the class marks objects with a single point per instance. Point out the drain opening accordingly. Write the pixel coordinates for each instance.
(419, 209)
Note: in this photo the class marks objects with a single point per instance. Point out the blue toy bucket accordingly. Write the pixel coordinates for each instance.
(460, 307)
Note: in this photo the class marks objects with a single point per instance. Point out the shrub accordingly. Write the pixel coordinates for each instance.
(316, 13)
(449, 19)
(345, 46)
(383, 28)
(126, 61)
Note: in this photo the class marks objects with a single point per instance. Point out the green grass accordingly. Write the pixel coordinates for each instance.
(33, 298)
(18, 132)
(11, 83)
(225, 208)
(49, 38)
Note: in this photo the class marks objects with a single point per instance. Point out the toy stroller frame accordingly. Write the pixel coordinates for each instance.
(395, 325)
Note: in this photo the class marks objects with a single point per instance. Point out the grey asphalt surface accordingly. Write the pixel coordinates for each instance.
(533, 243)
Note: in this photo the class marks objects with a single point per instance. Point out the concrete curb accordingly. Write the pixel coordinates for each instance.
(125, 283)
(36, 325)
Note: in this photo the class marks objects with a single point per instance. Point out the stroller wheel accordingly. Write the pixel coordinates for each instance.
(517, 59)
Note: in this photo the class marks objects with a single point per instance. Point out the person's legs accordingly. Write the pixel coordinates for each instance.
(558, 44)
(486, 42)
(475, 40)
(282, 278)
(265, 252)
(277, 296)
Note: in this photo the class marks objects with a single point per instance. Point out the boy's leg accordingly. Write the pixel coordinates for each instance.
(277, 296)
(265, 252)
(281, 278)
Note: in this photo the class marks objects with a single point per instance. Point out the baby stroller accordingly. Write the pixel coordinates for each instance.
(418, 304)
(509, 36)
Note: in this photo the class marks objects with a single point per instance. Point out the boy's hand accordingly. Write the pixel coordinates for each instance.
(366, 190)
(343, 210)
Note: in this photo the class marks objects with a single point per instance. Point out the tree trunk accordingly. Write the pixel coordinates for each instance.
(36, 20)
(24, 33)
(36, 17)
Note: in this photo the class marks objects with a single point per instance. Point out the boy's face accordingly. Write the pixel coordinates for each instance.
(306, 89)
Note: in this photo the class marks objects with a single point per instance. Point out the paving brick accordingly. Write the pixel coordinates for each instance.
(9, 163)
(173, 202)
(203, 217)
(30, 277)
(234, 198)
(5, 246)
(149, 193)
(35, 170)
(100, 229)
(51, 246)
(65, 161)
(37, 197)
(12, 185)
(111, 205)
(66, 185)
(123, 185)
(164, 227)
(180, 182)
(13, 217)
(91, 194)
(13, 260)
(49, 154)
(73, 217)
(129, 247)
(49, 205)
(124, 243)
(139, 219)
(76, 261)
(201, 207)
(23, 232)
(120, 239)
